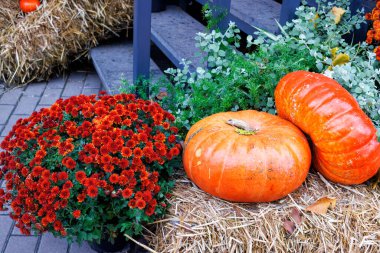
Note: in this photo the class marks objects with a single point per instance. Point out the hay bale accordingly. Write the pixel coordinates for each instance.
(198, 222)
(36, 45)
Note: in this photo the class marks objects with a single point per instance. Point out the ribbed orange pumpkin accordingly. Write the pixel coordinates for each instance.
(246, 156)
(345, 147)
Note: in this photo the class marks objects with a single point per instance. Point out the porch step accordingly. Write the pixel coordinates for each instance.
(174, 31)
(259, 13)
(249, 13)
(114, 62)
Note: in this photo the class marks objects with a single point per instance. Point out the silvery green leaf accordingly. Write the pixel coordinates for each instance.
(208, 76)
(203, 43)
(200, 70)
(319, 66)
(211, 58)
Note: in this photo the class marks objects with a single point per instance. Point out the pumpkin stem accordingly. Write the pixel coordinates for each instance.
(242, 127)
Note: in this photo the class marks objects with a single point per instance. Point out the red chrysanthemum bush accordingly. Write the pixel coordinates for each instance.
(89, 167)
(373, 34)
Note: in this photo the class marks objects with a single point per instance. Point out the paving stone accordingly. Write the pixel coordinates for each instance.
(26, 105)
(1, 128)
(93, 81)
(35, 89)
(72, 90)
(56, 83)
(6, 225)
(5, 112)
(11, 97)
(50, 96)
(90, 91)
(21, 244)
(11, 121)
(84, 248)
(76, 78)
(74, 84)
(16, 231)
(50, 244)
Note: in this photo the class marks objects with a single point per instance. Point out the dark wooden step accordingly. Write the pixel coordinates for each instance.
(248, 14)
(260, 13)
(114, 62)
(174, 31)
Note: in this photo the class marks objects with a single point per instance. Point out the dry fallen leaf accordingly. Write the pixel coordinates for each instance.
(321, 205)
(296, 215)
(289, 226)
(338, 13)
(161, 95)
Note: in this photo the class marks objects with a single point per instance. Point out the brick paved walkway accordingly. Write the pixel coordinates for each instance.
(20, 103)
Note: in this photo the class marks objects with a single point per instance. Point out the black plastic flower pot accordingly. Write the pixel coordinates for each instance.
(158, 5)
(120, 243)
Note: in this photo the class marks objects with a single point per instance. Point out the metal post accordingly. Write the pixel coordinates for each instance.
(222, 9)
(141, 38)
(288, 10)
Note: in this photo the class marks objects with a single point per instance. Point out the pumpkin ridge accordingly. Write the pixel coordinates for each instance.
(192, 136)
(363, 149)
(209, 149)
(354, 138)
(360, 177)
(217, 189)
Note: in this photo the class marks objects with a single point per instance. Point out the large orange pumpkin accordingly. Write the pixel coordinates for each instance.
(246, 156)
(345, 146)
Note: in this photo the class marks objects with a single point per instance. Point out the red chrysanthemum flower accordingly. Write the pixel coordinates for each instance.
(57, 225)
(137, 152)
(65, 194)
(76, 214)
(80, 176)
(140, 204)
(126, 152)
(69, 163)
(126, 193)
(132, 203)
(114, 178)
(68, 185)
(81, 198)
(106, 159)
(92, 191)
(63, 176)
